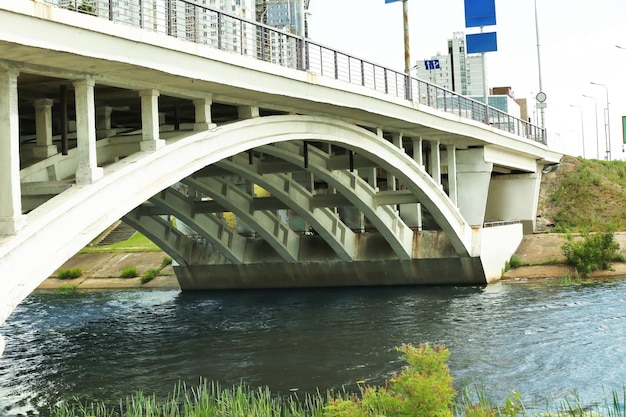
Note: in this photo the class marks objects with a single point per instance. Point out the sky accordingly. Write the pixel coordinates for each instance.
(578, 45)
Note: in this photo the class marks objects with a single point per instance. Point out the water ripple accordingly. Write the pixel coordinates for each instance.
(543, 341)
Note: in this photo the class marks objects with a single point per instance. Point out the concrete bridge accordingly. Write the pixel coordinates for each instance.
(178, 119)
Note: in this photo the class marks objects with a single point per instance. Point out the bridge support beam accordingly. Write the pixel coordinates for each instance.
(473, 180)
(11, 218)
(452, 177)
(103, 121)
(150, 140)
(435, 161)
(43, 128)
(411, 214)
(88, 171)
(514, 198)
(202, 108)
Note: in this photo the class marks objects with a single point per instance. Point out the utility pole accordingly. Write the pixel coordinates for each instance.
(407, 48)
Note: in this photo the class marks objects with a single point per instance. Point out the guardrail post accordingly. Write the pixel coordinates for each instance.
(408, 89)
(168, 17)
(362, 73)
(141, 14)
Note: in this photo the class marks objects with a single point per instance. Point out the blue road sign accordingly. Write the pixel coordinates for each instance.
(481, 42)
(391, 1)
(480, 13)
(431, 64)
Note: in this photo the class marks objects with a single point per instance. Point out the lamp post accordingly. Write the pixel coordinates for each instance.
(542, 107)
(607, 123)
(597, 142)
(582, 127)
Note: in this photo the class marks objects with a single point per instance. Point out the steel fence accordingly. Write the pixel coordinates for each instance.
(199, 23)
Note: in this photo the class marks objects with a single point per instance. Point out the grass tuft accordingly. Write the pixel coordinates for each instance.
(130, 272)
(69, 273)
(149, 275)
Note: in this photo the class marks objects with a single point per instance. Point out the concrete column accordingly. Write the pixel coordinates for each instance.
(11, 218)
(473, 183)
(396, 140)
(514, 197)
(435, 161)
(150, 140)
(411, 214)
(43, 127)
(370, 175)
(203, 114)
(418, 146)
(452, 179)
(103, 121)
(248, 112)
(88, 171)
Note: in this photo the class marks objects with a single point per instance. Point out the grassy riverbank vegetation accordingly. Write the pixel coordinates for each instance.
(587, 195)
(422, 389)
(592, 252)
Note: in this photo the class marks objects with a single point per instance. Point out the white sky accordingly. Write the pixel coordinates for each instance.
(578, 45)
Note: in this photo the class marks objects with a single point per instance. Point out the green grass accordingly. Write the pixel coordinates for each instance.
(593, 197)
(149, 275)
(130, 272)
(136, 243)
(67, 289)
(69, 273)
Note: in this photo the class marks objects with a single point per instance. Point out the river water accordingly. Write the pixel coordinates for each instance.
(543, 340)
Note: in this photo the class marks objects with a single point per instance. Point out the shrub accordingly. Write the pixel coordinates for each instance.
(69, 273)
(593, 252)
(423, 389)
(149, 275)
(130, 272)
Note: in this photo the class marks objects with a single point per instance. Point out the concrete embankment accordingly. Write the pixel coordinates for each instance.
(103, 270)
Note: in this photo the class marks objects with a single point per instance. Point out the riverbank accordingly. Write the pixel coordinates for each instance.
(542, 253)
(103, 270)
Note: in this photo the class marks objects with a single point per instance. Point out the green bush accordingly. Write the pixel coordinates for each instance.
(130, 272)
(423, 389)
(69, 273)
(593, 252)
(149, 275)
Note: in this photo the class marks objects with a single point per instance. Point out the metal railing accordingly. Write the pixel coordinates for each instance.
(189, 20)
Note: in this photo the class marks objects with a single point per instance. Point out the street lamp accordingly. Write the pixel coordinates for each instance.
(542, 107)
(607, 123)
(597, 142)
(582, 127)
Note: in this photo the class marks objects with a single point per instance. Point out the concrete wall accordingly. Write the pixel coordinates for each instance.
(498, 243)
(460, 271)
(514, 198)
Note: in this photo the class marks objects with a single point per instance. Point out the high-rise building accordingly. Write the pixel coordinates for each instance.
(287, 15)
(454, 70)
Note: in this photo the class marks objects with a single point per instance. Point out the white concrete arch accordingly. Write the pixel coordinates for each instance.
(211, 228)
(59, 228)
(295, 196)
(360, 194)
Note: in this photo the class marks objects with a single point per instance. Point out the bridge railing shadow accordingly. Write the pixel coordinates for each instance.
(188, 20)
